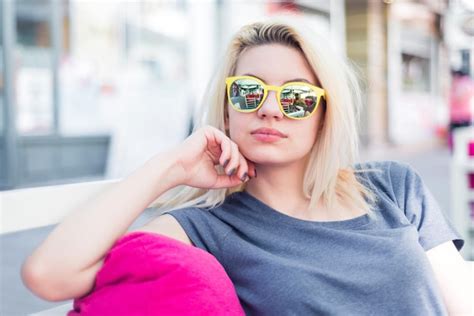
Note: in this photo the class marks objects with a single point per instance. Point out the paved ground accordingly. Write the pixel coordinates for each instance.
(431, 162)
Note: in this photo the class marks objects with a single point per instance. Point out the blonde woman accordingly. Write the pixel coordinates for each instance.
(279, 199)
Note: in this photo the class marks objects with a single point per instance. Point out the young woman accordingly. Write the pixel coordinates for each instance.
(278, 198)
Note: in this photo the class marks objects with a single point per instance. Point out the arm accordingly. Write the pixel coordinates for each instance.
(455, 277)
(65, 264)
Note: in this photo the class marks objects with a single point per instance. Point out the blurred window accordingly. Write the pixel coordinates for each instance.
(2, 75)
(126, 75)
(33, 67)
(416, 73)
(126, 58)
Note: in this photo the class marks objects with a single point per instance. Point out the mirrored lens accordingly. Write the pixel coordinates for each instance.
(245, 94)
(298, 101)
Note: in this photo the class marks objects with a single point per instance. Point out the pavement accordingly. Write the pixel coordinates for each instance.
(431, 161)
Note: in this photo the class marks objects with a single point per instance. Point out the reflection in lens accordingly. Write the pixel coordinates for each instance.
(298, 100)
(246, 94)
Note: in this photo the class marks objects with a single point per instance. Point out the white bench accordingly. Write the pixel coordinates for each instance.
(461, 195)
(42, 206)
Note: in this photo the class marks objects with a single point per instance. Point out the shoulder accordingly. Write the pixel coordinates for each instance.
(384, 172)
(385, 168)
(168, 226)
(388, 177)
(390, 165)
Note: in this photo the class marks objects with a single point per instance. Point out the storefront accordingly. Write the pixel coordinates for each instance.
(34, 38)
(416, 60)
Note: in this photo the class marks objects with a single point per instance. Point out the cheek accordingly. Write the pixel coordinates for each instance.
(307, 134)
(237, 123)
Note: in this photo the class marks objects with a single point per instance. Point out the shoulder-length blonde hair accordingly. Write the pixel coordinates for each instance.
(329, 175)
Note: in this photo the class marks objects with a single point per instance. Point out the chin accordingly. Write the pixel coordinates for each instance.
(267, 156)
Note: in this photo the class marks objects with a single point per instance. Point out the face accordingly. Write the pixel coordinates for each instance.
(274, 64)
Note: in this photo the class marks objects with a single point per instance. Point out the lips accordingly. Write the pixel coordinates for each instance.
(268, 131)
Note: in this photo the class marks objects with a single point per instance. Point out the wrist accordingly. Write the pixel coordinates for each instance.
(167, 169)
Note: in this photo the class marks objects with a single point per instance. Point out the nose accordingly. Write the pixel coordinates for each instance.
(270, 107)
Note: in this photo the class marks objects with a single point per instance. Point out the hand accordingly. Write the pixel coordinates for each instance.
(203, 150)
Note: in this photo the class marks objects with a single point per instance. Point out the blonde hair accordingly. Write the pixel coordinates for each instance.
(329, 175)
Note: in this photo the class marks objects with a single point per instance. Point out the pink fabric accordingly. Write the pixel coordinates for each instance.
(462, 94)
(151, 274)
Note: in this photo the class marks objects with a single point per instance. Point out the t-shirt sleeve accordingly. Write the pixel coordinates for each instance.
(203, 229)
(421, 208)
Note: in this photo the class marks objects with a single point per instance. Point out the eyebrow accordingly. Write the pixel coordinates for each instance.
(291, 80)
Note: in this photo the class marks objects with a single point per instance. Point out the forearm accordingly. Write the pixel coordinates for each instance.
(82, 239)
(460, 301)
(470, 287)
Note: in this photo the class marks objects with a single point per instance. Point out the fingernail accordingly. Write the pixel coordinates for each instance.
(231, 172)
(225, 163)
(244, 177)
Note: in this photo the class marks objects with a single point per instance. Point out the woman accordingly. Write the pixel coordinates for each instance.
(313, 233)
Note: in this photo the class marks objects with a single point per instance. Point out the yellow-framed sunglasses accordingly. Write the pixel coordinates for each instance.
(297, 100)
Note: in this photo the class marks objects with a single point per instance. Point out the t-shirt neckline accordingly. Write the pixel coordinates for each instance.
(273, 215)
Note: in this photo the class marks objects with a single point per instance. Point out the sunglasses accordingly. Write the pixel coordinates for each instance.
(297, 100)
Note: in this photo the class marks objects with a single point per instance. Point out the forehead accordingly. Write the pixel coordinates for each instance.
(275, 64)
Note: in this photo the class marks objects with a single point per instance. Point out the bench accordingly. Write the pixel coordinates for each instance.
(29, 208)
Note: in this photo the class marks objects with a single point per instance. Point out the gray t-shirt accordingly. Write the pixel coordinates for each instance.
(281, 265)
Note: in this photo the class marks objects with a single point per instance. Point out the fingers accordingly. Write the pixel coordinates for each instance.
(226, 154)
(243, 173)
(234, 161)
(224, 181)
(246, 169)
(236, 166)
(252, 170)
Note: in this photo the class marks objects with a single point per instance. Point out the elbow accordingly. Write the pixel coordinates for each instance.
(459, 311)
(40, 282)
(52, 284)
(462, 302)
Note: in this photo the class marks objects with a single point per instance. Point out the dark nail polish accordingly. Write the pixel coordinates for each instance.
(226, 162)
(231, 172)
(244, 177)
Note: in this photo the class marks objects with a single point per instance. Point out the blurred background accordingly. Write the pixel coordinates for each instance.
(91, 89)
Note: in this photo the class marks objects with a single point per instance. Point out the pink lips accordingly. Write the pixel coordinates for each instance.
(268, 135)
(268, 131)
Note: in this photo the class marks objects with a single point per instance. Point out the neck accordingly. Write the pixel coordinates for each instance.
(280, 187)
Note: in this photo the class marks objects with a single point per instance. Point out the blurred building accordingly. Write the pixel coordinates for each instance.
(92, 89)
(406, 50)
